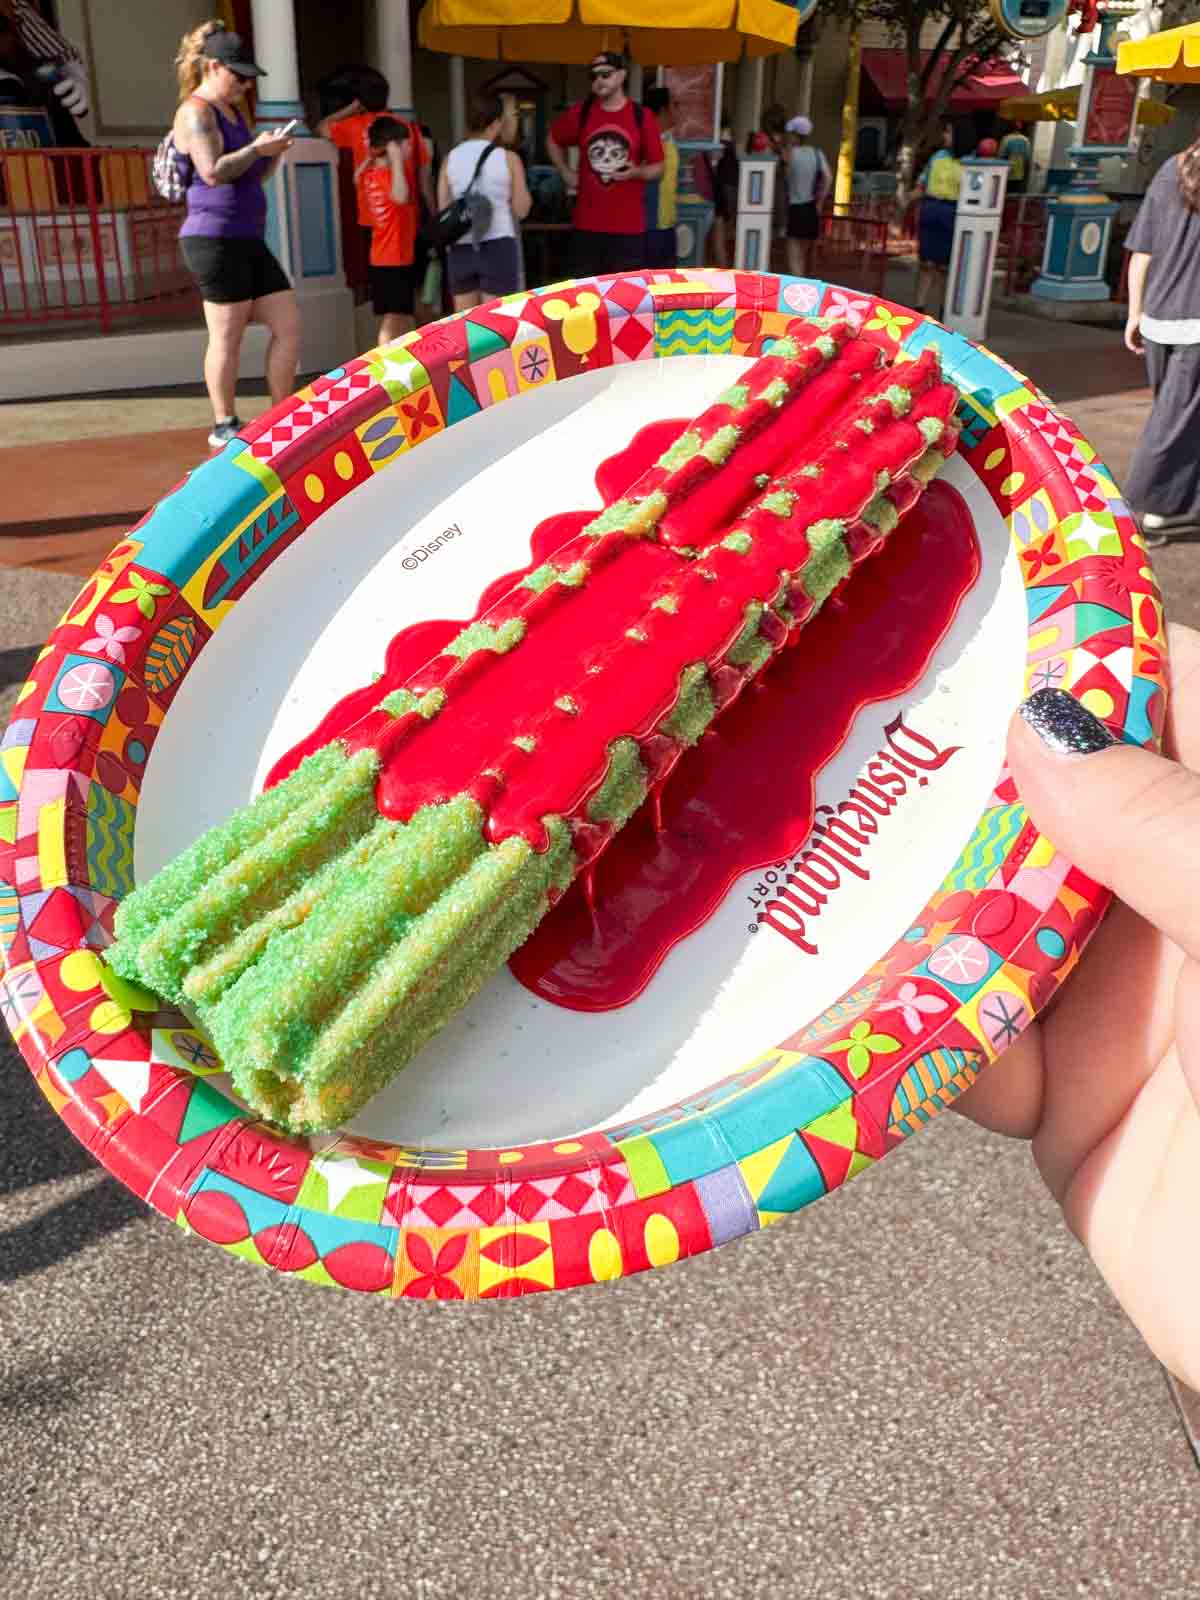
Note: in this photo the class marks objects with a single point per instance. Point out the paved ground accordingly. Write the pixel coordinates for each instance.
(918, 1387)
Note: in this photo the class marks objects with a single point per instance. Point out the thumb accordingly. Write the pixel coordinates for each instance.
(1125, 816)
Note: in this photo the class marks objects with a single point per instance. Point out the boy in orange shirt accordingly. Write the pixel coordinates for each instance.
(387, 199)
(350, 129)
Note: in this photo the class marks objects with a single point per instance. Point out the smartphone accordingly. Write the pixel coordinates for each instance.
(287, 128)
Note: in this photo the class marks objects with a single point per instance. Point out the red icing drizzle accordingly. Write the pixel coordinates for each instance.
(744, 797)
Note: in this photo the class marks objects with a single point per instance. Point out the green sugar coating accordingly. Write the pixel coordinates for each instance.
(694, 709)
(401, 701)
(624, 787)
(931, 429)
(899, 398)
(526, 742)
(486, 636)
(629, 516)
(707, 574)
(249, 870)
(646, 513)
(540, 578)
(567, 704)
(613, 519)
(865, 424)
(761, 480)
(668, 603)
(927, 466)
(415, 988)
(719, 448)
(812, 470)
(208, 979)
(827, 346)
(739, 540)
(734, 397)
(739, 651)
(828, 562)
(684, 448)
(775, 392)
(756, 655)
(638, 635)
(785, 349)
(881, 513)
(780, 502)
(883, 479)
(174, 884)
(275, 1013)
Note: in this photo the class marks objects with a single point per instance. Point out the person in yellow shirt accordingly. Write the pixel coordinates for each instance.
(1016, 149)
(938, 190)
(659, 196)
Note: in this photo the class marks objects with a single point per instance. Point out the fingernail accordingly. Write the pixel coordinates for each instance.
(1062, 723)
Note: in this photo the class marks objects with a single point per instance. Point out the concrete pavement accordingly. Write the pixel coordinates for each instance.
(918, 1387)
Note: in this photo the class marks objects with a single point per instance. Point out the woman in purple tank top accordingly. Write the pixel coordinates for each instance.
(222, 239)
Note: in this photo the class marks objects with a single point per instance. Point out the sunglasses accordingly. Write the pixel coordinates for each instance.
(602, 72)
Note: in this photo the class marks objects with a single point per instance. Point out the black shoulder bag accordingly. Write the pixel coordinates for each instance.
(469, 213)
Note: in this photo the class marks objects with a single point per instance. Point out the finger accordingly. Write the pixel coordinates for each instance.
(1007, 1096)
(1181, 737)
(1114, 1024)
(1126, 817)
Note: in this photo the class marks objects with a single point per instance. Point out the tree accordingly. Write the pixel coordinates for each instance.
(967, 36)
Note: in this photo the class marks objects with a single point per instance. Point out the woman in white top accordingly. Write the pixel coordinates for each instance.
(490, 265)
(808, 181)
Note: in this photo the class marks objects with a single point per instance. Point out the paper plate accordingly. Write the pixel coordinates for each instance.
(776, 1051)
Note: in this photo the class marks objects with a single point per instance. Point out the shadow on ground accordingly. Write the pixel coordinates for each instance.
(15, 664)
(42, 1150)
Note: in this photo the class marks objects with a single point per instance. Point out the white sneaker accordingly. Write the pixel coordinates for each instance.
(1153, 523)
(223, 432)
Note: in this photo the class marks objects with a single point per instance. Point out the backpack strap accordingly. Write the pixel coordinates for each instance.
(487, 150)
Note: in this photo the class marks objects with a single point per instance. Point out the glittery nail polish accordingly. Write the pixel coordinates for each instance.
(1066, 726)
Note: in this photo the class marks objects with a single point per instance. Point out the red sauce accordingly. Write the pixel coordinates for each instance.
(741, 800)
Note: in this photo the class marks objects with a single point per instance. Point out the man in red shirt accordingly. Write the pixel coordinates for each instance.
(619, 152)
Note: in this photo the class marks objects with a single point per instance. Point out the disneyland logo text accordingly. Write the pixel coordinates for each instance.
(841, 833)
(422, 552)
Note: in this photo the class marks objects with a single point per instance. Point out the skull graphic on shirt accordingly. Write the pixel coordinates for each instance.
(607, 152)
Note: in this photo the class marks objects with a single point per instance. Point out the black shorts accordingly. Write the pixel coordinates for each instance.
(660, 249)
(595, 254)
(803, 221)
(393, 290)
(231, 271)
(494, 268)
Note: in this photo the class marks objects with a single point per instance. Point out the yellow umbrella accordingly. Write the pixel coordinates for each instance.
(678, 33)
(1172, 56)
(1062, 105)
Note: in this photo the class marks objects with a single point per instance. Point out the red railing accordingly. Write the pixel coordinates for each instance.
(1022, 240)
(853, 250)
(84, 237)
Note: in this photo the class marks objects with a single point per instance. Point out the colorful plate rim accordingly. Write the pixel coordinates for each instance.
(1001, 932)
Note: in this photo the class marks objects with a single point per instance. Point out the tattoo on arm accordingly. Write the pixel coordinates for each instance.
(203, 146)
